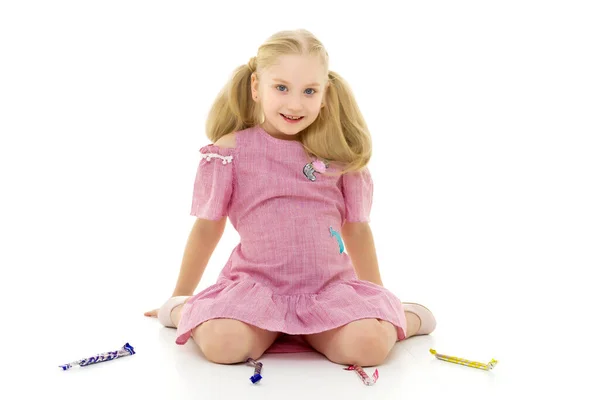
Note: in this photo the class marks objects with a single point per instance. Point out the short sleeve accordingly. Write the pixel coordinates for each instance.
(213, 186)
(357, 188)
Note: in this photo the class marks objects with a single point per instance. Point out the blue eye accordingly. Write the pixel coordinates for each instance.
(283, 86)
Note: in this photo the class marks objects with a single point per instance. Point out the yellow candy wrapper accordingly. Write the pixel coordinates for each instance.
(462, 361)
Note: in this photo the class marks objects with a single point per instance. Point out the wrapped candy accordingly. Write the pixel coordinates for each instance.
(363, 375)
(462, 361)
(257, 369)
(126, 350)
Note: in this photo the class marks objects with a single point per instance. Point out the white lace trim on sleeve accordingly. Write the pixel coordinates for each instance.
(208, 156)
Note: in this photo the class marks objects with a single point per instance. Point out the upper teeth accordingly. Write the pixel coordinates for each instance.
(290, 117)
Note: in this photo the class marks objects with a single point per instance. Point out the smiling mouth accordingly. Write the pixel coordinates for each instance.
(291, 117)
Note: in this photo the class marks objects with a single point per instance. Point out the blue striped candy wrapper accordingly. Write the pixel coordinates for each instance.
(126, 350)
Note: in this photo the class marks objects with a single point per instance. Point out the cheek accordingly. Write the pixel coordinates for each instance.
(269, 100)
(316, 106)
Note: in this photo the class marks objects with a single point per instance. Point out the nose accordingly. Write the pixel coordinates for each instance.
(294, 104)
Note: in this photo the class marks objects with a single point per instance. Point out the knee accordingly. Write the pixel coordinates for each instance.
(224, 341)
(367, 347)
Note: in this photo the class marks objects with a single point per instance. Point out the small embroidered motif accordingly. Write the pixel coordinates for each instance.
(338, 237)
(314, 166)
(319, 166)
(208, 156)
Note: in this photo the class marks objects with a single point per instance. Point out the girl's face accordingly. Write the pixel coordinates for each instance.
(294, 87)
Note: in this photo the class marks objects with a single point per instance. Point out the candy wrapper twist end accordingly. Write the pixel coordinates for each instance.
(257, 370)
(367, 380)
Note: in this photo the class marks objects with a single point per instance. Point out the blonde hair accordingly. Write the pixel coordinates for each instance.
(339, 134)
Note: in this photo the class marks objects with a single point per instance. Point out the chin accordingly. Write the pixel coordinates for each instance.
(288, 130)
(291, 131)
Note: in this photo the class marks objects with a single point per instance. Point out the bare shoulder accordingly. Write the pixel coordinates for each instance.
(227, 141)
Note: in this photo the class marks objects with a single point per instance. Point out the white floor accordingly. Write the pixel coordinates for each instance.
(162, 369)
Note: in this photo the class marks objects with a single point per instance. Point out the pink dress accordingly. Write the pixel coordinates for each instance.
(289, 273)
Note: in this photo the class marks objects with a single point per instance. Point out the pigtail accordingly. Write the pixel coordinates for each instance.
(340, 132)
(233, 109)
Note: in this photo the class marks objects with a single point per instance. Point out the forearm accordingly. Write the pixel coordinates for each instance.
(360, 246)
(202, 241)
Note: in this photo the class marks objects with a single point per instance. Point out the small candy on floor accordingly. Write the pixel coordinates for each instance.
(462, 361)
(126, 350)
(363, 375)
(257, 369)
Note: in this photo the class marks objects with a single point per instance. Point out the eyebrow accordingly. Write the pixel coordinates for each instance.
(287, 83)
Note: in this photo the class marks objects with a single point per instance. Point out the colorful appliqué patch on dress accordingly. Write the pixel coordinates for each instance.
(314, 166)
(339, 239)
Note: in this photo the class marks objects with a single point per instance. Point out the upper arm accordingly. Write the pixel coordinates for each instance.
(351, 228)
(357, 190)
(226, 141)
(213, 227)
(213, 184)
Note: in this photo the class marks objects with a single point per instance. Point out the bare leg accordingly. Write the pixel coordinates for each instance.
(228, 341)
(366, 342)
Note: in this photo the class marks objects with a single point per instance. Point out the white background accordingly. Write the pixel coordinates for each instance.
(485, 121)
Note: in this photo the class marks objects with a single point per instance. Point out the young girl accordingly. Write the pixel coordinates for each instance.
(288, 167)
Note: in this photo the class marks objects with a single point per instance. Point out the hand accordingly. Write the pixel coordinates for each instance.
(153, 313)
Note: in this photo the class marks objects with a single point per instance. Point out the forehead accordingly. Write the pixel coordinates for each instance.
(298, 70)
